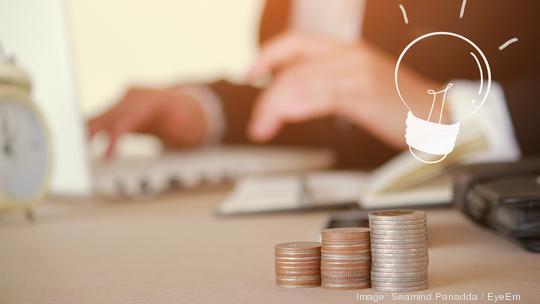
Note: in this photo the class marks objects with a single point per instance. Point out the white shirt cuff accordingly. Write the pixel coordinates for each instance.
(211, 105)
(492, 121)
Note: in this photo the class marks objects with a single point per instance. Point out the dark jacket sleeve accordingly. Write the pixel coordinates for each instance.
(354, 147)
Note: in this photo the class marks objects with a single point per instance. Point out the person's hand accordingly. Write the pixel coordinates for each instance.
(289, 48)
(174, 117)
(354, 81)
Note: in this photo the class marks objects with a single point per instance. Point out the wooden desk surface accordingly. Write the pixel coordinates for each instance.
(174, 250)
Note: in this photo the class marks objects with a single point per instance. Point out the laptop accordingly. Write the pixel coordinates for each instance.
(35, 32)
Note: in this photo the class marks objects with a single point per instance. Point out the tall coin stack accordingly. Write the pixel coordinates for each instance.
(345, 258)
(399, 250)
(298, 264)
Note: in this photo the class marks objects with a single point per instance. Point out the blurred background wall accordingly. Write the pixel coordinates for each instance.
(157, 42)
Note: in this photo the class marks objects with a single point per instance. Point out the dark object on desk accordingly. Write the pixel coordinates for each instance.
(356, 218)
(502, 196)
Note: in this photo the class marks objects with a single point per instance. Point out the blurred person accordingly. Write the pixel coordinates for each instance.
(332, 84)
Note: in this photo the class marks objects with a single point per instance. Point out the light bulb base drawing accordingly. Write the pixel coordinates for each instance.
(429, 137)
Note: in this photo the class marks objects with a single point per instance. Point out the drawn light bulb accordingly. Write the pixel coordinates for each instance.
(428, 134)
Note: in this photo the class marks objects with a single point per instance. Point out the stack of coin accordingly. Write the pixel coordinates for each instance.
(345, 258)
(399, 250)
(298, 264)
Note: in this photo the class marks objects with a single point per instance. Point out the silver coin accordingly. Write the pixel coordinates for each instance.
(397, 215)
(393, 245)
(377, 272)
(391, 266)
(398, 246)
(401, 230)
(395, 250)
(396, 260)
(401, 284)
(416, 253)
(398, 279)
(377, 229)
(398, 236)
(422, 220)
(420, 241)
(399, 289)
(395, 238)
(382, 260)
(398, 274)
(397, 222)
(404, 243)
(399, 266)
(398, 232)
(400, 241)
(398, 269)
(419, 278)
(400, 255)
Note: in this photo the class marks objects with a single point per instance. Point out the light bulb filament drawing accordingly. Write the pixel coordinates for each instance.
(436, 138)
(433, 137)
(432, 92)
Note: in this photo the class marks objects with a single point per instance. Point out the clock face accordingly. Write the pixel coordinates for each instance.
(24, 150)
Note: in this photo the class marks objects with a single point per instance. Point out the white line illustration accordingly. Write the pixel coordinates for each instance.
(507, 43)
(462, 11)
(434, 138)
(404, 13)
(481, 72)
(432, 92)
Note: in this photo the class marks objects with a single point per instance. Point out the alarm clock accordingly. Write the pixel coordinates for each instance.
(25, 145)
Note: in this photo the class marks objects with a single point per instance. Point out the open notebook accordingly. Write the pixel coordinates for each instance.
(401, 182)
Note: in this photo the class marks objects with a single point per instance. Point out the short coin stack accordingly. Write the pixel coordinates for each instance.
(298, 264)
(399, 250)
(345, 258)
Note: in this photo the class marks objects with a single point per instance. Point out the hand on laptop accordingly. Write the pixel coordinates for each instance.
(318, 77)
(313, 77)
(169, 114)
